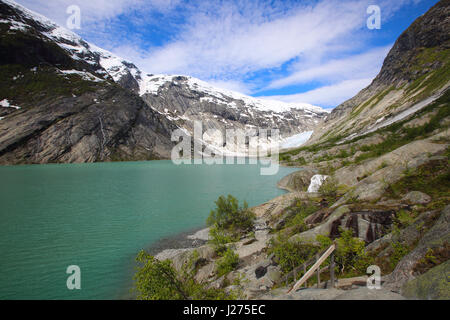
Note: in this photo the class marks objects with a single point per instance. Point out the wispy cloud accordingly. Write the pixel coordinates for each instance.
(328, 96)
(96, 11)
(236, 39)
(364, 65)
(231, 43)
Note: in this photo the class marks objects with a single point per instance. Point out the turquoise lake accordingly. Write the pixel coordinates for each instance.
(99, 216)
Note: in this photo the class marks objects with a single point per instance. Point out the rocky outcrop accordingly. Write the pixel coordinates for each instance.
(412, 76)
(390, 164)
(432, 285)
(368, 225)
(106, 125)
(416, 197)
(437, 237)
(297, 181)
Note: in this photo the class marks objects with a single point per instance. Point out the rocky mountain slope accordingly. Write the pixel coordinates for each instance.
(105, 108)
(69, 107)
(186, 99)
(385, 199)
(414, 74)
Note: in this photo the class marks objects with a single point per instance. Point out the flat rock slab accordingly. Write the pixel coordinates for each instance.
(332, 294)
(302, 294)
(369, 294)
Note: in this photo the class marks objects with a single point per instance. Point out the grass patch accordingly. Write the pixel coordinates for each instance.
(432, 178)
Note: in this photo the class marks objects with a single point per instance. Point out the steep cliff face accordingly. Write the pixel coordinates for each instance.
(67, 108)
(414, 74)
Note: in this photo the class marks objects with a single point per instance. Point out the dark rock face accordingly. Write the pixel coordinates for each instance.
(367, 225)
(119, 126)
(428, 31)
(66, 117)
(260, 271)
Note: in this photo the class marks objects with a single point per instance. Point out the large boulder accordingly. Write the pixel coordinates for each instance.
(297, 181)
(434, 284)
(437, 238)
(322, 229)
(416, 197)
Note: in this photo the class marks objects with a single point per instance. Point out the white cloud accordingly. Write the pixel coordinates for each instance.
(239, 39)
(364, 65)
(328, 96)
(95, 12)
(232, 85)
(227, 43)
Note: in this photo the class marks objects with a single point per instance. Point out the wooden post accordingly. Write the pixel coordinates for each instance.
(311, 271)
(318, 272)
(318, 277)
(304, 272)
(332, 266)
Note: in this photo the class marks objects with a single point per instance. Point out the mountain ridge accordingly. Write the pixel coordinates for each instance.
(416, 68)
(68, 67)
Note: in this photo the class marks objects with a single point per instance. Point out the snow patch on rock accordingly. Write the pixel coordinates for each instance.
(5, 104)
(296, 140)
(316, 182)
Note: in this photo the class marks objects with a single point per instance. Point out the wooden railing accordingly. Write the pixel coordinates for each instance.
(318, 260)
(303, 267)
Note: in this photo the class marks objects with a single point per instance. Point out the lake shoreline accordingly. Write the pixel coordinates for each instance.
(168, 247)
(186, 240)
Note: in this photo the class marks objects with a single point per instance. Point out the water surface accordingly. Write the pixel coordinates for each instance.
(98, 216)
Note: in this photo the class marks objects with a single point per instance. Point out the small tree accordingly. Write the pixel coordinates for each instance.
(350, 252)
(329, 188)
(227, 263)
(158, 280)
(228, 216)
(291, 254)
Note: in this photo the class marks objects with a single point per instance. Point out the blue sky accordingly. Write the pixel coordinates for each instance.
(320, 52)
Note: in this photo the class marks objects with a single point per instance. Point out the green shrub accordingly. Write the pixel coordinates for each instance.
(325, 242)
(432, 178)
(290, 255)
(329, 188)
(298, 213)
(400, 250)
(228, 216)
(227, 263)
(158, 280)
(404, 218)
(350, 254)
(219, 238)
(301, 161)
(343, 154)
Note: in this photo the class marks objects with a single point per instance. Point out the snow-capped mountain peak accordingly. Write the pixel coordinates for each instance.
(181, 99)
(150, 84)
